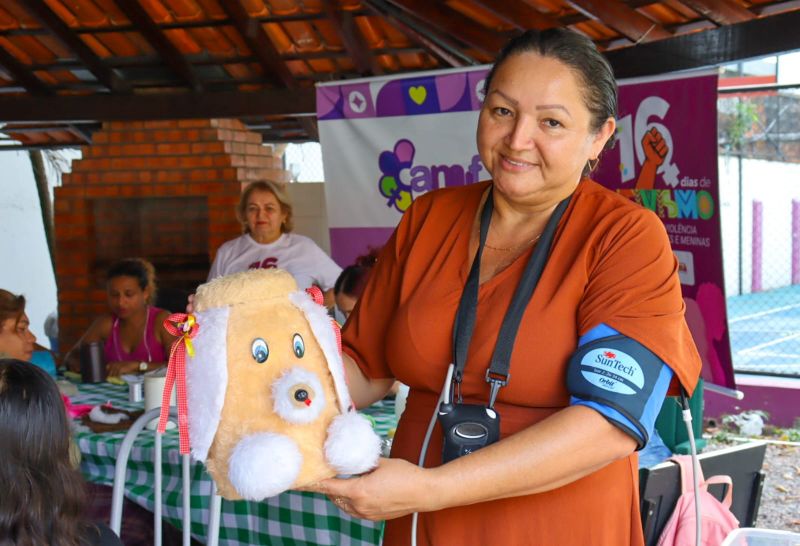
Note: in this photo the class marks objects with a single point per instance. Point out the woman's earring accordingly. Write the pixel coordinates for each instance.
(593, 163)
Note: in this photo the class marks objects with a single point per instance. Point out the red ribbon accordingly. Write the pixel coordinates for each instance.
(316, 294)
(184, 326)
(337, 331)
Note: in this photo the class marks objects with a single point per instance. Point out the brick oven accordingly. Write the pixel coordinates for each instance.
(161, 190)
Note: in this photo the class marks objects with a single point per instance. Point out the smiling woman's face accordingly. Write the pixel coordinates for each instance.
(534, 131)
(264, 216)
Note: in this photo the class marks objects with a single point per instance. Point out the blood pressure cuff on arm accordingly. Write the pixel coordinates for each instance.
(621, 379)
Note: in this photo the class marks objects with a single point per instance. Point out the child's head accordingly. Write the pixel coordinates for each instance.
(352, 280)
(42, 495)
(16, 340)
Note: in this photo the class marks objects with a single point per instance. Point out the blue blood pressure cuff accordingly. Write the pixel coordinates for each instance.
(620, 378)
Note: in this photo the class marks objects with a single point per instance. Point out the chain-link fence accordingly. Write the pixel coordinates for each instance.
(304, 162)
(759, 167)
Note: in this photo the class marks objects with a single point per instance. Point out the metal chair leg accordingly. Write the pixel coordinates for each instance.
(120, 469)
(120, 472)
(214, 511)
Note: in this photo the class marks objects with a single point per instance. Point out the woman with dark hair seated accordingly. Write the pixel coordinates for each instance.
(16, 340)
(42, 496)
(133, 332)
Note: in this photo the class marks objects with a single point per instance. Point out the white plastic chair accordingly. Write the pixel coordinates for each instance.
(120, 472)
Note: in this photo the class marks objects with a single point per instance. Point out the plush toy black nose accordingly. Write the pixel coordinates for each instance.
(301, 395)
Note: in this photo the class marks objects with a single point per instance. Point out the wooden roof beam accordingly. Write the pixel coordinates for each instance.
(628, 22)
(356, 47)
(47, 127)
(62, 32)
(452, 23)
(259, 43)
(191, 105)
(446, 53)
(172, 56)
(778, 7)
(81, 133)
(49, 146)
(22, 75)
(575, 17)
(523, 15)
(309, 126)
(726, 44)
(721, 12)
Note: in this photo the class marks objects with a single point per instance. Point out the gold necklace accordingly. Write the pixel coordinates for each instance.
(515, 247)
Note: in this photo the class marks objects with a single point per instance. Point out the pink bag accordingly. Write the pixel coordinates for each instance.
(717, 519)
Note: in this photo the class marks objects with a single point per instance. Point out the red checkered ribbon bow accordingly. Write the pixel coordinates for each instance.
(316, 294)
(185, 326)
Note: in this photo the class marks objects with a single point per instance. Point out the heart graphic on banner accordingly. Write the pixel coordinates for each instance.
(418, 94)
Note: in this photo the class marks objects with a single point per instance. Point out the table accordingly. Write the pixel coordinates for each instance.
(293, 518)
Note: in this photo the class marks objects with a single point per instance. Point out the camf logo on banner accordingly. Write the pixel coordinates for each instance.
(386, 141)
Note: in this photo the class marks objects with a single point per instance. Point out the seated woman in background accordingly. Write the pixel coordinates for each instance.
(43, 496)
(349, 287)
(266, 216)
(133, 333)
(16, 340)
(351, 282)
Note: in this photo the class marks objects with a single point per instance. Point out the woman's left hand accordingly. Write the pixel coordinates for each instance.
(116, 369)
(395, 488)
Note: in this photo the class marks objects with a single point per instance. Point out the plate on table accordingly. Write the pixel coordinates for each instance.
(115, 427)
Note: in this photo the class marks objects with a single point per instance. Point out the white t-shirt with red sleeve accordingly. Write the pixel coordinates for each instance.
(297, 254)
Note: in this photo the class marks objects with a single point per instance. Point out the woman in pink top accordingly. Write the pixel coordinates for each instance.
(133, 333)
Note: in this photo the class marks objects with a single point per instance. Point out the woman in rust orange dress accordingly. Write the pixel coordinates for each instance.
(599, 343)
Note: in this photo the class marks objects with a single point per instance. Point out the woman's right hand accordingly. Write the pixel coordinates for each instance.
(190, 304)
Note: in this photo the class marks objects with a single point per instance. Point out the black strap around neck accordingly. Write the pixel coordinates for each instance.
(468, 306)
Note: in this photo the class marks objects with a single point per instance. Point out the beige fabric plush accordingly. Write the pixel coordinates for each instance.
(265, 395)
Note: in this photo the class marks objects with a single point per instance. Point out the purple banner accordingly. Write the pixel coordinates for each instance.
(423, 94)
(350, 243)
(665, 159)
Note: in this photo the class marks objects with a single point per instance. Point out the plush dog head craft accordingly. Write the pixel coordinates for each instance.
(268, 406)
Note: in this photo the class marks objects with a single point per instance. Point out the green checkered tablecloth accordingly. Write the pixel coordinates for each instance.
(293, 518)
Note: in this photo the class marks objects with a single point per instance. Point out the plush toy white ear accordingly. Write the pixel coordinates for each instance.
(321, 326)
(264, 465)
(207, 378)
(352, 447)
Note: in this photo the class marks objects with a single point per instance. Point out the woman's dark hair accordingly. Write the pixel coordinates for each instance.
(353, 278)
(11, 306)
(41, 495)
(139, 269)
(599, 88)
(275, 189)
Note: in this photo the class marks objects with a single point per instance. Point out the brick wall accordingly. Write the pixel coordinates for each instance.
(162, 190)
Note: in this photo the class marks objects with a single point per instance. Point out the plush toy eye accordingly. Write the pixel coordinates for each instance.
(298, 346)
(260, 350)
